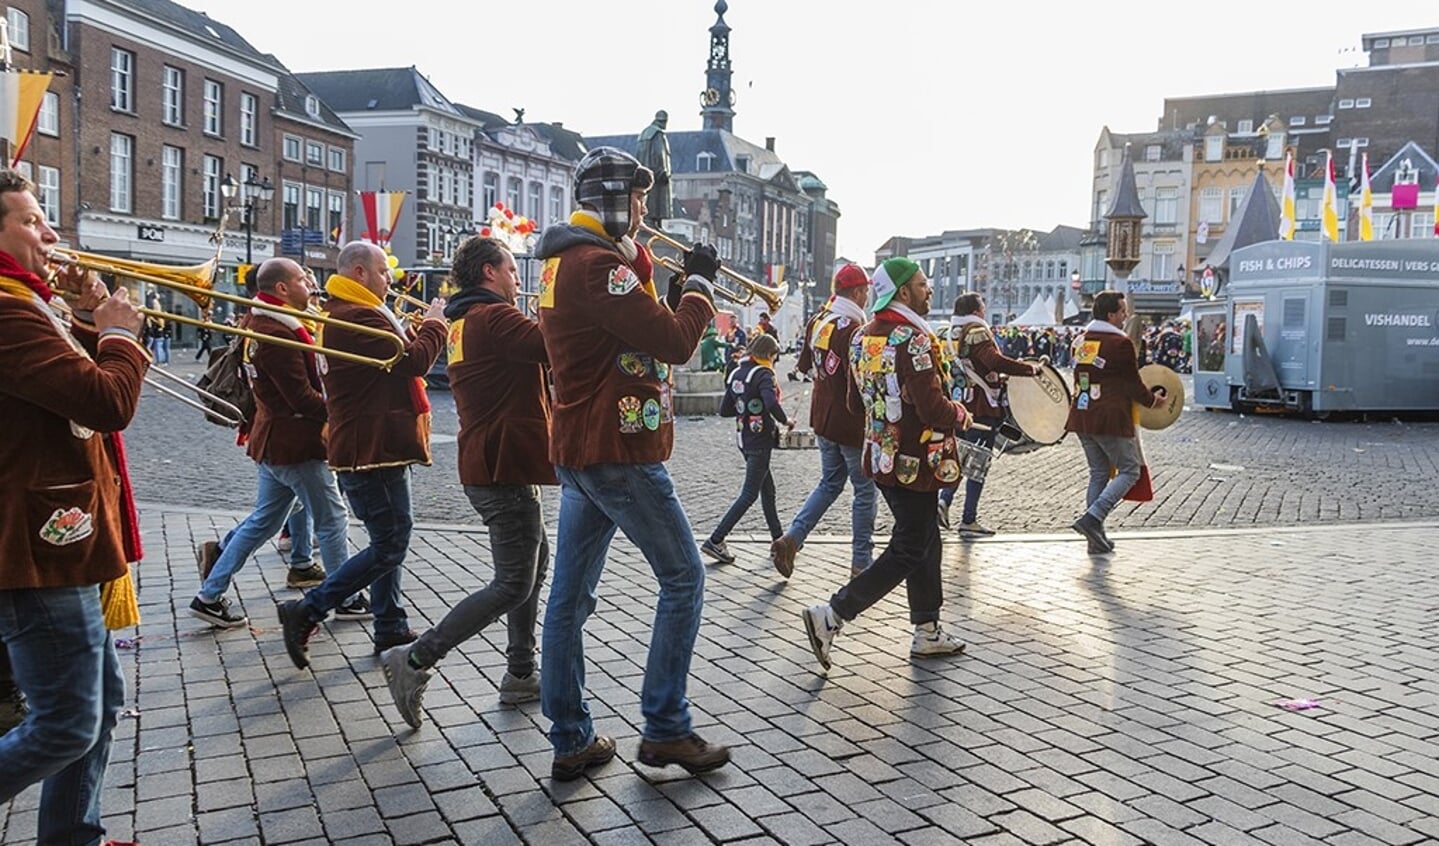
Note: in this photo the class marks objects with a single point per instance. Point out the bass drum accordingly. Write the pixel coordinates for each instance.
(1039, 405)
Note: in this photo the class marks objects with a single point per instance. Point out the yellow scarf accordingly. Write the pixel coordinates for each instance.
(589, 222)
(763, 362)
(351, 291)
(15, 287)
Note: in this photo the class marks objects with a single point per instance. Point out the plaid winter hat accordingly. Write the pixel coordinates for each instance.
(604, 179)
(850, 276)
(889, 277)
(763, 346)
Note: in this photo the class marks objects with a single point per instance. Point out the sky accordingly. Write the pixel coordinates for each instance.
(919, 115)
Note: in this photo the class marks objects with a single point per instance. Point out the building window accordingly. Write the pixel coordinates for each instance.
(291, 218)
(171, 178)
(489, 191)
(512, 192)
(1363, 103)
(1422, 227)
(314, 199)
(1152, 152)
(1274, 145)
(1361, 142)
(1236, 198)
(1344, 142)
(1163, 264)
(337, 217)
(1104, 157)
(314, 153)
(210, 186)
(214, 98)
(1346, 104)
(1381, 43)
(122, 80)
(1166, 206)
(249, 119)
(704, 162)
(48, 189)
(291, 148)
(1245, 127)
(1297, 120)
(537, 211)
(1211, 205)
(19, 29)
(741, 163)
(1431, 39)
(312, 105)
(337, 160)
(1214, 148)
(1323, 120)
(172, 102)
(122, 148)
(49, 120)
(557, 204)
(1416, 40)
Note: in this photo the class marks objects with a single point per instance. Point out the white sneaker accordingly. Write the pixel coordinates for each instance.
(930, 640)
(822, 624)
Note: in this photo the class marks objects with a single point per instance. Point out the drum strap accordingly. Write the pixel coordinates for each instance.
(990, 391)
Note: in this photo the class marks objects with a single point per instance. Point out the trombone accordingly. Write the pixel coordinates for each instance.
(226, 412)
(196, 282)
(749, 289)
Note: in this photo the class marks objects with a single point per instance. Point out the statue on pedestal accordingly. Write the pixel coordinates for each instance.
(654, 153)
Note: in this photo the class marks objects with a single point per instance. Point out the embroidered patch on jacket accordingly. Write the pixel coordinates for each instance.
(756, 406)
(1082, 402)
(923, 361)
(901, 334)
(623, 280)
(548, 274)
(948, 471)
(455, 342)
(831, 362)
(1094, 391)
(821, 341)
(906, 469)
(651, 414)
(919, 345)
(66, 526)
(630, 422)
(1087, 352)
(632, 364)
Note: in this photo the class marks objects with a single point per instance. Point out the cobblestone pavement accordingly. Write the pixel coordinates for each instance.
(1210, 470)
(1128, 700)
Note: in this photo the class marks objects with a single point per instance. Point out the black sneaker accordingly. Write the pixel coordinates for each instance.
(357, 609)
(12, 705)
(297, 628)
(389, 641)
(217, 613)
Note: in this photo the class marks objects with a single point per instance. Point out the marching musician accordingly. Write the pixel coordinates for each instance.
(838, 428)
(902, 373)
(66, 533)
(979, 374)
(287, 443)
(379, 426)
(611, 343)
(496, 366)
(1106, 386)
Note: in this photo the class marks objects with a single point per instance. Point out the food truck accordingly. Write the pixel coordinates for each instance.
(1319, 328)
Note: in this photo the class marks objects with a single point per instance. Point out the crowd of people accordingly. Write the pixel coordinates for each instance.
(580, 397)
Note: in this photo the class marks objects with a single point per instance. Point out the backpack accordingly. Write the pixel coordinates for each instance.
(225, 378)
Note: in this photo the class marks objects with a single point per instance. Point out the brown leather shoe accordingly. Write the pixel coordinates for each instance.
(573, 766)
(782, 552)
(691, 752)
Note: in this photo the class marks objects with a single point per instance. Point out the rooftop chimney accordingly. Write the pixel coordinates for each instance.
(769, 143)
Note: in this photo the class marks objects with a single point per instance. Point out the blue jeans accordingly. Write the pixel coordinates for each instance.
(640, 500)
(837, 463)
(973, 489)
(64, 662)
(758, 484)
(1103, 452)
(381, 499)
(301, 530)
(521, 554)
(276, 489)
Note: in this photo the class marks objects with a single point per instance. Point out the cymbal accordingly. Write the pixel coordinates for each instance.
(1159, 376)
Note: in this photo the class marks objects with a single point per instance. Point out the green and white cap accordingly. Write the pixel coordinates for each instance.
(889, 277)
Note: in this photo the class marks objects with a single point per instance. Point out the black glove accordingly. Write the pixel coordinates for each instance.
(675, 291)
(702, 261)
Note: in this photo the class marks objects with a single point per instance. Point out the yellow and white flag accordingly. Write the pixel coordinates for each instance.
(21, 93)
(1286, 203)
(1366, 202)
(1330, 213)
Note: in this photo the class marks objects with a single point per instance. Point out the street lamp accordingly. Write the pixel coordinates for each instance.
(253, 193)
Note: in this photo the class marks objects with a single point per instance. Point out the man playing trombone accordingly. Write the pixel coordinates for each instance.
(65, 533)
(379, 426)
(287, 442)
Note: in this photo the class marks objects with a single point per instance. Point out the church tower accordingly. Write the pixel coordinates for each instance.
(718, 97)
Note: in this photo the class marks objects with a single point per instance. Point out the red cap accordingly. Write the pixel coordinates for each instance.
(850, 276)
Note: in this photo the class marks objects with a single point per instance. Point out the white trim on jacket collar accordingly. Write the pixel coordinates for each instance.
(1098, 325)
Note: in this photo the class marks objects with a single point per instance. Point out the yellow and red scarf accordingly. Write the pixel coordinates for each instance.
(347, 289)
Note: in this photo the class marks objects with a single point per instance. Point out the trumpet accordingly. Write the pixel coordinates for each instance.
(415, 314)
(748, 288)
(197, 283)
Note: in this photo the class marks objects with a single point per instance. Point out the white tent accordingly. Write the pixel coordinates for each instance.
(1039, 313)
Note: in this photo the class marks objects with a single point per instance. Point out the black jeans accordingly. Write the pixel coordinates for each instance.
(912, 557)
(521, 557)
(758, 484)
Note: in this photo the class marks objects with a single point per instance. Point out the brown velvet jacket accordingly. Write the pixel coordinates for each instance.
(974, 345)
(827, 357)
(377, 418)
(59, 489)
(497, 376)
(1106, 385)
(289, 425)
(610, 345)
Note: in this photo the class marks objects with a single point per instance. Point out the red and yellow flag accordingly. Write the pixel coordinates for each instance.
(21, 93)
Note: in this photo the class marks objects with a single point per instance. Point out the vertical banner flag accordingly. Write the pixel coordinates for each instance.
(1366, 202)
(1330, 212)
(1287, 216)
(382, 212)
(21, 93)
(1436, 207)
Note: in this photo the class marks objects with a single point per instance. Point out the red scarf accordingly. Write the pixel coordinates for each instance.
(9, 267)
(303, 334)
(129, 517)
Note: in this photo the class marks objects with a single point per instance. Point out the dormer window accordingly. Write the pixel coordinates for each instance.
(741, 164)
(1245, 127)
(704, 162)
(1214, 148)
(1274, 145)
(1297, 120)
(1152, 152)
(312, 105)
